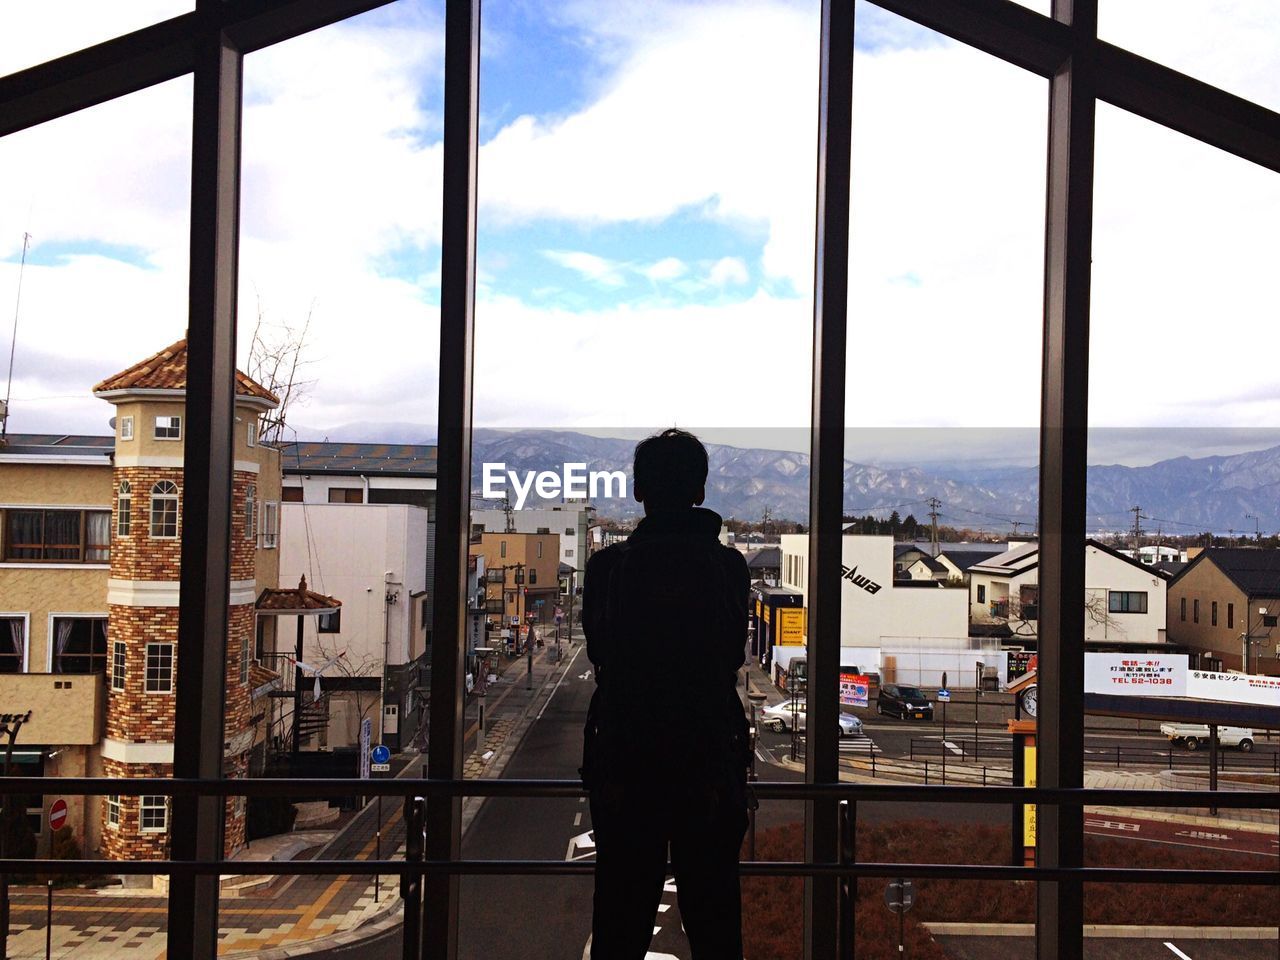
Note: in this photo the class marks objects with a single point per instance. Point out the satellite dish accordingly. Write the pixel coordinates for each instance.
(112, 423)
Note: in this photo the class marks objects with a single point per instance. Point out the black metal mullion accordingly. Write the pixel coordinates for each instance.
(197, 826)
(826, 494)
(1064, 424)
(453, 484)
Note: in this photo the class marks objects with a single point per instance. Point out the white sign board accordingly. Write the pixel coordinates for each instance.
(1234, 687)
(1136, 674)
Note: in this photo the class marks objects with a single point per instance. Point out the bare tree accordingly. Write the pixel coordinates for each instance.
(276, 360)
(347, 665)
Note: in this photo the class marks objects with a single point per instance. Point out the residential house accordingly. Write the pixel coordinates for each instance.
(522, 579)
(1227, 600)
(1124, 599)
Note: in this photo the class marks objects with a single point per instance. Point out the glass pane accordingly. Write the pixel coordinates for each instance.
(1167, 626)
(1230, 45)
(100, 316)
(34, 32)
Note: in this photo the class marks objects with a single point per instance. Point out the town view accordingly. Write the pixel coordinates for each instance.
(644, 257)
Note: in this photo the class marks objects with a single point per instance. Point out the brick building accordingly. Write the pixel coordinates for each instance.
(90, 551)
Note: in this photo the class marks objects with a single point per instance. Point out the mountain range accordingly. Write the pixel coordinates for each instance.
(1182, 495)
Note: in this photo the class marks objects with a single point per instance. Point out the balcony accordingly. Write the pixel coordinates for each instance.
(63, 708)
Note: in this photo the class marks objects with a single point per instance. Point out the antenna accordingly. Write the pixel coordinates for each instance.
(13, 342)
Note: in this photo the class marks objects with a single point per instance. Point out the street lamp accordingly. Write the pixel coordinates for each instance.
(481, 689)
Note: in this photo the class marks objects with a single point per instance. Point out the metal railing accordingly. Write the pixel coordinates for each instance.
(963, 750)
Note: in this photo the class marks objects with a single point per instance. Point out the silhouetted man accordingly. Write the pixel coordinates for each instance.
(666, 750)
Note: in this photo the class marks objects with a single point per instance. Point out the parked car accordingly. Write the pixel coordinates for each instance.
(1194, 735)
(780, 715)
(906, 703)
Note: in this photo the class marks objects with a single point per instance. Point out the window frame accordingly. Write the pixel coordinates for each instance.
(250, 520)
(119, 665)
(171, 493)
(148, 810)
(172, 428)
(163, 669)
(1063, 48)
(1119, 601)
(82, 546)
(114, 810)
(126, 428)
(124, 509)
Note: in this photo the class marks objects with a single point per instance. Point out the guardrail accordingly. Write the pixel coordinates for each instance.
(1171, 758)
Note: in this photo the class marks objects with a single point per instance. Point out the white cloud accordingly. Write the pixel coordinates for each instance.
(729, 271)
(668, 268)
(607, 273)
(341, 213)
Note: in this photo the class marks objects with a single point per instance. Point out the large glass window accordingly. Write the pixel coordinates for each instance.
(58, 536)
(164, 509)
(79, 645)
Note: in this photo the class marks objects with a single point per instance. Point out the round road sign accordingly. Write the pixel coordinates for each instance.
(57, 814)
(380, 754)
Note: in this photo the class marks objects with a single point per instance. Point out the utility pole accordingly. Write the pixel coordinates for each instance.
(1257, 532)
(1137, 532)
(764, 524)
(1016, 525)
(510, 512)
(934, 504)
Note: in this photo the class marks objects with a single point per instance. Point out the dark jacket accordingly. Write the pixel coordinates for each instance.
(665, 616)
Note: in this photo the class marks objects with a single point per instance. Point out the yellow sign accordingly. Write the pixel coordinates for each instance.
(767, 611)
(790, 626)
(758, 606)
(1029, 810)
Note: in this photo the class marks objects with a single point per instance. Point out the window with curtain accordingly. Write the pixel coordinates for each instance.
(80, 645)
(13, 644)
(40, 535)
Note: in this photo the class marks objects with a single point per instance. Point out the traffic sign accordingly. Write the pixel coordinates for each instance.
(900, 895)
(944, 696)
(57, 814)
(380, 754)
(380, 767)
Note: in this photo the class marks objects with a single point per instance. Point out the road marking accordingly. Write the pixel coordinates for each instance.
(567, 668)
(1176, 951)
(664, 907)
(952, 747)
(577, 819)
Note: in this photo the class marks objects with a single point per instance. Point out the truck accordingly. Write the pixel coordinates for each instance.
(1194, 735)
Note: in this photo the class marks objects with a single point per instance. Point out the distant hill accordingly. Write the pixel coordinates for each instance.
(1181, 495)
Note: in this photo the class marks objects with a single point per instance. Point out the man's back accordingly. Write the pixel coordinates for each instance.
(665, 619)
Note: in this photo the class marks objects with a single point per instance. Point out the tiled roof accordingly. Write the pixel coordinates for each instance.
(766, 558)
(297, 600)
(58, 445)
(401, 459)
(1255, 570)
(167, 370)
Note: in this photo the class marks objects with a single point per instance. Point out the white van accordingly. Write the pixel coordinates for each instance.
(1195, 735)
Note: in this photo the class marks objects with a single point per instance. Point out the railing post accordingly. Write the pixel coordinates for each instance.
(411, 880)
(848, 883)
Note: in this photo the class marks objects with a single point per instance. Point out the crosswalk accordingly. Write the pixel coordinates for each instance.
(859, 745)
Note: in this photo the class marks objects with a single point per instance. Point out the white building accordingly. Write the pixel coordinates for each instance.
(1124, 599)
(907, 630)
(371, 557)
(570, 521)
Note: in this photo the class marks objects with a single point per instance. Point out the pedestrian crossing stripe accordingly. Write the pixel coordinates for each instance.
(859, 743)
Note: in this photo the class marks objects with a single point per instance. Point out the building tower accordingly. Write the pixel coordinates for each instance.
(142, 592)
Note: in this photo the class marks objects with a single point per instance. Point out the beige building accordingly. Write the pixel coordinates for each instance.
(90, 544)
(1224, 600)
(522, 576)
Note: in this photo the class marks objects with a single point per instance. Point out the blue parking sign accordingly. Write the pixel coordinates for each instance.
(380, 754)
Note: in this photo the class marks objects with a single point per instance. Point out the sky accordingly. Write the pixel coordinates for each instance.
(645, 253)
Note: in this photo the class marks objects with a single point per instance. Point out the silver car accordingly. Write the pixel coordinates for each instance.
(780, 716)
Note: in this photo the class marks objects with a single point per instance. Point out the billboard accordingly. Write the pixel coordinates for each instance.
(853, 689)
(790, 627)
(1234, 687)
(1136, 674)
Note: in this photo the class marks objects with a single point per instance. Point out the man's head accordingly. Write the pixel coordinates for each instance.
(670, 471)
